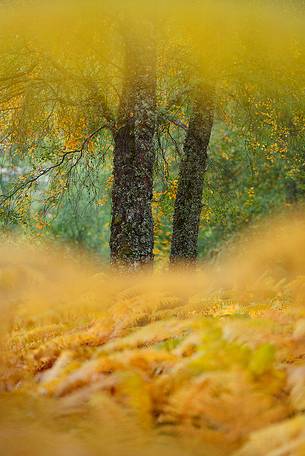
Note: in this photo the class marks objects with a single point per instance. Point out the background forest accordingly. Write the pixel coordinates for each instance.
(61, 92)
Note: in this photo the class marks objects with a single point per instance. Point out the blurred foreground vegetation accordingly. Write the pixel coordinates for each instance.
(207, 363)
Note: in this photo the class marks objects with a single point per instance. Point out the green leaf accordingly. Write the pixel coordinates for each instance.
(262, 359)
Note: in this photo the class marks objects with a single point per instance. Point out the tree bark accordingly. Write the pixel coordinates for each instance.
(131, 241)
(188, 204)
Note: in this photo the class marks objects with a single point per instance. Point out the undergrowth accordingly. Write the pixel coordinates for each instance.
(207, 362)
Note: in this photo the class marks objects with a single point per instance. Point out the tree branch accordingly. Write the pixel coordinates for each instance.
(47, 170)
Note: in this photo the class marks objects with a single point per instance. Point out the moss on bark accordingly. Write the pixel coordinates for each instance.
(131, 241)
(188, 204)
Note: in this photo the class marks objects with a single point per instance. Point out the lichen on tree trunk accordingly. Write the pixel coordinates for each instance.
(188, 204)
(131, 241)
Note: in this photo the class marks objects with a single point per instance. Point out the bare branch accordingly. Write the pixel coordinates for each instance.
(178, 123)
(47, 170)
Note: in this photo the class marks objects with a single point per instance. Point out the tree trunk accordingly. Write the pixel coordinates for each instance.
(188, 204)
(131, 241)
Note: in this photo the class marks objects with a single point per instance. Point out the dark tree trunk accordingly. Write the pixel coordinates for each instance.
(188, 202)
(131, 241)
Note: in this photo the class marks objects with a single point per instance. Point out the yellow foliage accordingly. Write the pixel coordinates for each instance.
(94, 363)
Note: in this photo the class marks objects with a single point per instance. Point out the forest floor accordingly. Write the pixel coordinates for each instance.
(176, 364)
